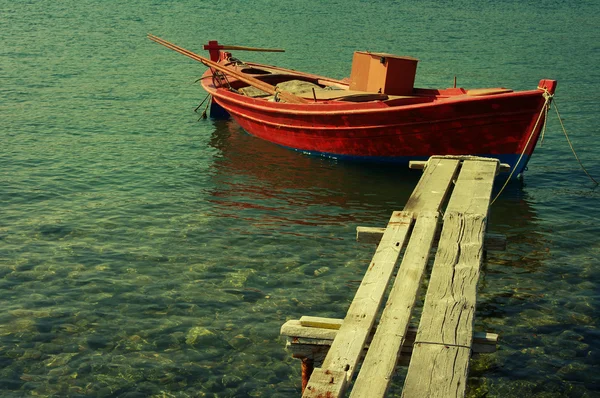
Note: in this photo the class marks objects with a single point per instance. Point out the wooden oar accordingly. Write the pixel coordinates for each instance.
(287, 97)
(242, 48)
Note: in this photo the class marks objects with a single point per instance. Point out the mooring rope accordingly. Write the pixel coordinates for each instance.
(205, 98)
(547, 97)
(544, 127)
(544, 110)
(203, 115)
(571, 145)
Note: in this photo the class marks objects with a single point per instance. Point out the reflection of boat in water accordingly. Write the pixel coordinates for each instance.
(274, 190)
(253, 174)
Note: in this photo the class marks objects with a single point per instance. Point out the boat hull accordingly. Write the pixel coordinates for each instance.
(504, 126)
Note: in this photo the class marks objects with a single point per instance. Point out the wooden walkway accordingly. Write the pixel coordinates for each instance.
(440, 348)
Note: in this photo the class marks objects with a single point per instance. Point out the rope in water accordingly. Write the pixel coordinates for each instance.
(547, 98)
(203, 115)
(545, 109)
(571, 145)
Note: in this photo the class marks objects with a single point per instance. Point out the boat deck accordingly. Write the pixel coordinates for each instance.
(439, 350)
(319, 88)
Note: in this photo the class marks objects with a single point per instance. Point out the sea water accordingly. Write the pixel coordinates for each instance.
(147, 253)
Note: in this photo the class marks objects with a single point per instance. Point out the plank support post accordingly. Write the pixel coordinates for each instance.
(307, 365)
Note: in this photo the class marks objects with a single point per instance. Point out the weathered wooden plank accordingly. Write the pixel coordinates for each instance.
(433, 187)
(429, 194)
(347, 347)
(491, 241)
(325, 383)
(447, 317)
(299, 333)
(422, 164)
(379, 364)
(439, 365)
(319, 322)
(473, 188)
(294, 328)
(316, 353)
(437, 379)
(317, 349)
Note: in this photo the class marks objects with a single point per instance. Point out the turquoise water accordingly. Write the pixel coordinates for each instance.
(146, 253)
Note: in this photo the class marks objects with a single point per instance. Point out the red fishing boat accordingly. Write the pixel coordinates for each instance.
(376, 114)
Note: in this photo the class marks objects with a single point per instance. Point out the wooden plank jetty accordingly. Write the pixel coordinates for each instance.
(438, 351)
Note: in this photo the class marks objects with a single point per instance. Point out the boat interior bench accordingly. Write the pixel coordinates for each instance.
(438, 351)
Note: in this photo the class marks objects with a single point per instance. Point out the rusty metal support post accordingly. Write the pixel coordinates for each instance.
(308, 365)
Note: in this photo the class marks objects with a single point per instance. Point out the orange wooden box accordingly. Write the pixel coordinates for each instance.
(383, 73)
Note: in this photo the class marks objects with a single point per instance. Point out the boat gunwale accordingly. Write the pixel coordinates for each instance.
(353, 108)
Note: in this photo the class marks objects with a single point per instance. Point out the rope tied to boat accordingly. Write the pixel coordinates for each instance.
(547, 98)
(571, 145)
(276, 95)
(219, 79)
(234, 61)
(204, 113)
(545, 108)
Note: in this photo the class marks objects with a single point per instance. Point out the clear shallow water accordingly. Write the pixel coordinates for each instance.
(143, 253)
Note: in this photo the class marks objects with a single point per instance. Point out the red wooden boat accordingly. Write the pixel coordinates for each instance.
(376, 114)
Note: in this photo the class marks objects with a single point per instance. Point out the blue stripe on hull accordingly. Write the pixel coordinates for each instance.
(404, 160)
(217, 111)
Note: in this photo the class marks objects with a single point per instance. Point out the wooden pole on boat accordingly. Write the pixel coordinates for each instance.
(287, 97)
(242, 48)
